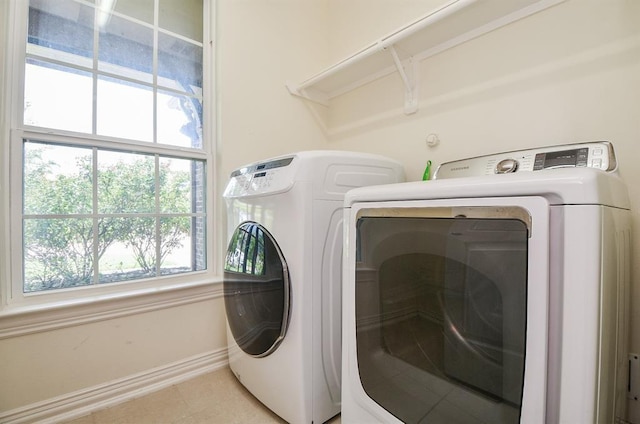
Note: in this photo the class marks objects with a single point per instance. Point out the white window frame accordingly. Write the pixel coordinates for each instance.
(12, 71)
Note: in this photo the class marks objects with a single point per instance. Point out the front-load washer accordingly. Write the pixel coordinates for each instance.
(282, 276)
(496, 293)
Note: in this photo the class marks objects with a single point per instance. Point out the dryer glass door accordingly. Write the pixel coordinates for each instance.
(256, 290)
(441, 308)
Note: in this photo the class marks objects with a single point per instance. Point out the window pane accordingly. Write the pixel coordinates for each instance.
(57, 179)
(176, 247)
(57, 97)
(139, 9)
(183, 17)
(179, 120)
(179, 64)
(199, 186)
(199, 234)
(58, 253)
(175, 185)
(125, 110)
(126, 183)
(132, 254)
(126, 48)
(61, 29)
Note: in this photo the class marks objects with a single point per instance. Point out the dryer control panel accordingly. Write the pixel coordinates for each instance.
(595, 154)
(261, 178)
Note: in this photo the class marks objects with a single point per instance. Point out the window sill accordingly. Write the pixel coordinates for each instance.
(23, 320)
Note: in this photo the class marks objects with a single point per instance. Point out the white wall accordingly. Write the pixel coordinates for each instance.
(354, 24)
(49, 364)
(262, 44)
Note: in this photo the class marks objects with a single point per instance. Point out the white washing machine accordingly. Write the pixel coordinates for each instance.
(495, 294)
(282, 276)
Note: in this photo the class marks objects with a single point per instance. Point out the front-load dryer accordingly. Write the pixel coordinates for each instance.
(282, 276)
(496, 293)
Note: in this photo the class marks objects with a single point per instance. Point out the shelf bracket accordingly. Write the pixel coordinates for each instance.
(409, 78)
(315, 96)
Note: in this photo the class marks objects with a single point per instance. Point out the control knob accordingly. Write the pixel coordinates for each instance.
(507, 166)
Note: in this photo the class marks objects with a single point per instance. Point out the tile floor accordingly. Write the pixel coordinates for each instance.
(216, 397)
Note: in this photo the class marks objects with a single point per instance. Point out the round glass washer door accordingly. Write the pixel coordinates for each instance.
(256, 290)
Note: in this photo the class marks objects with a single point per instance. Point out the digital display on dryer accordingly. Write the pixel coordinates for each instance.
(278, 163)
(563, 159)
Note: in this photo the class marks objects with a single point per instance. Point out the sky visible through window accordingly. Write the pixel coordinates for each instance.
(63, 100)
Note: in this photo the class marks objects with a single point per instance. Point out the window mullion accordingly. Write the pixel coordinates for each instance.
(16, 229)
(113, 144)
(95, 220)
(94, 103)
(156, 19)
(94, 130)
(156, 48)
(157, 216)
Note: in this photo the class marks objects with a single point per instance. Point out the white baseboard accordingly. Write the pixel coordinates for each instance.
(83, 402)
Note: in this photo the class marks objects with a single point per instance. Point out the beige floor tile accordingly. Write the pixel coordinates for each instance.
(198, 418)
(126, 413)
(87, 419)
(165, 406)
(213, 398)
(204, 392)
(231, 403)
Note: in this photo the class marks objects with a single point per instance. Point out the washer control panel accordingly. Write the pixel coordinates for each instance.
(261, 178)
(595, 154)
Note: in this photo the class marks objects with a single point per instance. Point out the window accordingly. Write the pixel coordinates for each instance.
(109, 143)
